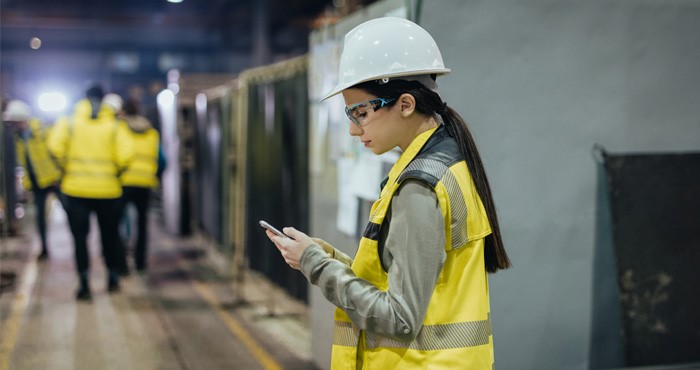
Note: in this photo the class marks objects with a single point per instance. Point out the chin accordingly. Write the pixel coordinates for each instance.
(378, 151)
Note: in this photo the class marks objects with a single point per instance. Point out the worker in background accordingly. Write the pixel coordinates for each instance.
(41, 172)
(116, 103)
(141, 176)
(93, 148)
(416, 294)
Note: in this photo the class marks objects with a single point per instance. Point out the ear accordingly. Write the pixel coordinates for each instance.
(407, 104)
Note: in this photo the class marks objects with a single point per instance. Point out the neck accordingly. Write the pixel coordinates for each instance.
(420, 126)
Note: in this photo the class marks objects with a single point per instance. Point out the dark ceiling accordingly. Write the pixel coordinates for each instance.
(229, 24)
(133, 43)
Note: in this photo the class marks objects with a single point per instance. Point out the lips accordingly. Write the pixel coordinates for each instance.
(366, 143)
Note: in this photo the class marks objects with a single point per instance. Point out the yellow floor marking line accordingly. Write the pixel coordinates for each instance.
(237, 329)
(10, 329)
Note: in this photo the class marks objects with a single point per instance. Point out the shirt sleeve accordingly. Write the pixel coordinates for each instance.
(414, 246)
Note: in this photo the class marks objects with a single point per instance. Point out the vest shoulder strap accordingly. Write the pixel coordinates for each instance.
(438, 155)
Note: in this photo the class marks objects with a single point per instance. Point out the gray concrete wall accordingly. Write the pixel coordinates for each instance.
(540, 82)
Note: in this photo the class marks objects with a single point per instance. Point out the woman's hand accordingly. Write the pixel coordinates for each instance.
(293, 247)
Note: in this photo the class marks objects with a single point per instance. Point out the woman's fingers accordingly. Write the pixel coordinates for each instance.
(291, 248)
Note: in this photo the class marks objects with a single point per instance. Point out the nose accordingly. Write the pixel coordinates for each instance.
(355, 130)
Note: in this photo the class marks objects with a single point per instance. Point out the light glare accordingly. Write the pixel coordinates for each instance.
(35, 43)
(166, 99)
(52, 102)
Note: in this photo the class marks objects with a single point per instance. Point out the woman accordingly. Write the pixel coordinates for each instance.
(416, 294)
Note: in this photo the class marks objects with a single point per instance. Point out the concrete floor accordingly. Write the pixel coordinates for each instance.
(180, 315)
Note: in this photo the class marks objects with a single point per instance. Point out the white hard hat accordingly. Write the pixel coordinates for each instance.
(385, 48)
(17, 111)
(114, 101)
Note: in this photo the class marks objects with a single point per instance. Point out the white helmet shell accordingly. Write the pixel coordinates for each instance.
(387, 47)
(114, 101)
(17, 111)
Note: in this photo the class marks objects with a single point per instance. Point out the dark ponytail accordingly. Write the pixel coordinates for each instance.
(494, 254)
(429, 103)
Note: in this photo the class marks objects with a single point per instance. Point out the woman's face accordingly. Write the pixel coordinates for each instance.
(377, 126)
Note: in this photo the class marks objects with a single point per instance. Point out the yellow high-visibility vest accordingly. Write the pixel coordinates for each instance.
(92, 152)
(143, 168)
(456, 331)
(46, 170)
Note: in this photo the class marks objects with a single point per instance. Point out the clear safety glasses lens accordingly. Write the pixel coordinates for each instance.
(357, 113)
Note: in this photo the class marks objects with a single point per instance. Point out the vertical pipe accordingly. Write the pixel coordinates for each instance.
(3, 184)
(261, 38)
(419, 8)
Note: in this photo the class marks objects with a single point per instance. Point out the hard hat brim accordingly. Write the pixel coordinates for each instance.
(342, 86)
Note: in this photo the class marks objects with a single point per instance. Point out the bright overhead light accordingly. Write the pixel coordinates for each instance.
(175, 1)
(52, 102)
(35, 43)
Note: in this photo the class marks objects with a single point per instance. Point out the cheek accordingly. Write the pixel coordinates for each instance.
(383, 140)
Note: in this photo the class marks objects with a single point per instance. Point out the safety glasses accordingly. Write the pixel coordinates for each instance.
(358, 113)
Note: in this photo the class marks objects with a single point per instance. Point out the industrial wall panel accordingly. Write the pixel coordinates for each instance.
(655, 206)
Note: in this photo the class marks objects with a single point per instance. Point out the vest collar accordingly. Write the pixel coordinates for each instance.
(406, 157)
(419, 145)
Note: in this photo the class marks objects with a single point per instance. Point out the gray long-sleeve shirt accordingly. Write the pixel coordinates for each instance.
(413, 254)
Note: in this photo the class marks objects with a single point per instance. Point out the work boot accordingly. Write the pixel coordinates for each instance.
(124, 271)
(140, 266)
(113, 281)
(83, 293)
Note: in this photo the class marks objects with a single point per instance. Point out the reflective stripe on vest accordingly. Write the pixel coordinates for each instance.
(430, 338)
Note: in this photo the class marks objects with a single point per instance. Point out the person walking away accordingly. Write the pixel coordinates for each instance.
(116, 103)
(141, 176)
(93, 148)
(416, 294)
(42, 173)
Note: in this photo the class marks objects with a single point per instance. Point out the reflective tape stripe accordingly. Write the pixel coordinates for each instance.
(91, 174)
(430, 338)
(89, 161)
(140, 173)
(458, 211)
(345, 335)
(424, 166)
(436, 337)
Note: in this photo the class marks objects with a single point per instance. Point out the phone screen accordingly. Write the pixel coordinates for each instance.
(272, 228)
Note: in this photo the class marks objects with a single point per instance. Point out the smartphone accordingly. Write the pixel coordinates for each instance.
(272, 228)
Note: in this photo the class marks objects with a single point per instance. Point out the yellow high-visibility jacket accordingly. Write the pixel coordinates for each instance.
(142, 170)
(456, 331)
(92, 152)
(33, 148)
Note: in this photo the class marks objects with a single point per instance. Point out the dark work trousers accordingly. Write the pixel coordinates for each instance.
(40, 196)
(107, 210)
(139, 197)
